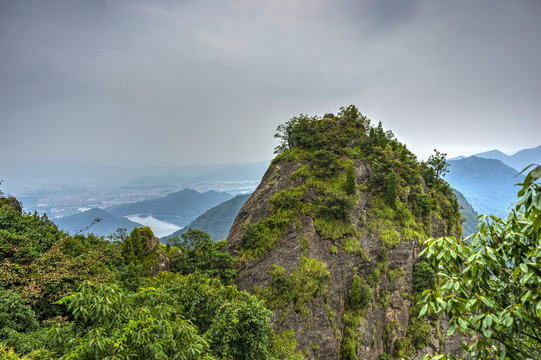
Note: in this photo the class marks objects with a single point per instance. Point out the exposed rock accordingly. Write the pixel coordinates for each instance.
(316, 327)
(163, 263)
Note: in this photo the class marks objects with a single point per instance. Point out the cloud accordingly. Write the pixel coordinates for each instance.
(176, 82)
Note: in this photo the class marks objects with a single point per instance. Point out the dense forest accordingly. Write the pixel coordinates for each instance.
(74, 296)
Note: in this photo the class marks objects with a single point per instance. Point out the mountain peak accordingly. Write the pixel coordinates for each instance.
(323, 227)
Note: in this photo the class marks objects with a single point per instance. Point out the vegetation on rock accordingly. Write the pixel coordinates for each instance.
(351, 183)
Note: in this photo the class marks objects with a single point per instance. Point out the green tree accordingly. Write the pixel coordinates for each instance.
(391, 188)
(200, 253)
(135, 248)
(493, 286)
(350, 186)
(439, 163)
(172, 317)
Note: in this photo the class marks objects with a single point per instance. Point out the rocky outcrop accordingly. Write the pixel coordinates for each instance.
(163, 263)
(388, 269)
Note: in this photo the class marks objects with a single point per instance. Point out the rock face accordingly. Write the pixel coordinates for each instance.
(326, 313)
(163, 263)
(310, 262)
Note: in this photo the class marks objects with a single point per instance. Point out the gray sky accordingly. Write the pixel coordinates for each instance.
(179, 82)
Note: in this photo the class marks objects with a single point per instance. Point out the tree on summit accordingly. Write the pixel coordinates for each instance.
(439, 163)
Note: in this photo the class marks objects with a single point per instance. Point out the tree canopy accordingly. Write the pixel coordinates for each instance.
(492, 288)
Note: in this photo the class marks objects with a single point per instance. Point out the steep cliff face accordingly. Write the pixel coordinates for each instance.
(330, 240)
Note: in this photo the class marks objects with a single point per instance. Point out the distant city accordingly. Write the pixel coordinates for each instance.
(62, 200)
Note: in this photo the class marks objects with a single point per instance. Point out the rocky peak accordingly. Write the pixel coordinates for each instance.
(330, 239)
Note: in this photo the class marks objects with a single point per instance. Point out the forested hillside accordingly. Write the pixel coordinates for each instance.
(87, 297)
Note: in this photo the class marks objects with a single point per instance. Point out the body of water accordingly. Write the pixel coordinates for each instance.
(159, 228)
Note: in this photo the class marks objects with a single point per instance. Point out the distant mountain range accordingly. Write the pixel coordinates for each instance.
(107, 225)
(488, 184)
(518, 161)
(216, 221)
(179, 208)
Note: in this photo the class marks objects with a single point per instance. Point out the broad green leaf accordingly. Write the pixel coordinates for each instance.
(423, 311)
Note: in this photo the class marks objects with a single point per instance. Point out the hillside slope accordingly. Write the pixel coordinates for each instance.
(488, 184)
(330, 240)
(469, 214)
(107, 225)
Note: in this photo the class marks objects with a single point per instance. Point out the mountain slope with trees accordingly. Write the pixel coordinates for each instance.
(216, 221)
(488, 184)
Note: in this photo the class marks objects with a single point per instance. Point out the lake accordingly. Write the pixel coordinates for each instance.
(159, 228)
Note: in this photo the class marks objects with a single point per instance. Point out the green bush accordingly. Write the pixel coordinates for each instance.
(172, 316)
(135, 248)
(424, 276)
(335, 204)
(350, 186)
(389, 237)
(360, 294)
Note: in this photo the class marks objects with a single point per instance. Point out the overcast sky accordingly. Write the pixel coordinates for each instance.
(182, 82)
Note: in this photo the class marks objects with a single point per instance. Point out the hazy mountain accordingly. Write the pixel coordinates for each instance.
(468, 212)
(216, 221)
(252, 171)
(178, 208)
(488, 184)
(108, 223)
(518, 161)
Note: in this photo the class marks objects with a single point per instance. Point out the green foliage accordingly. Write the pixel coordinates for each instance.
(199, 253)
(396, 273)
(172, 316)
(54, 275)
(312, 133)
(24, 237)
(492, 287)
(386, 334)
(439, 163)
(383, 298)
(261, 236)
(284, 344)
(289, 198)
(335, 204)
(19, 326)
(303, 172)
(424, 276)
(352, 246)
(305, 282)
(333, 250)
(389, 237)
(15, 313)
(359, 295)
(135, 248)
(391, 188)
(350, 186)
(332, 229)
